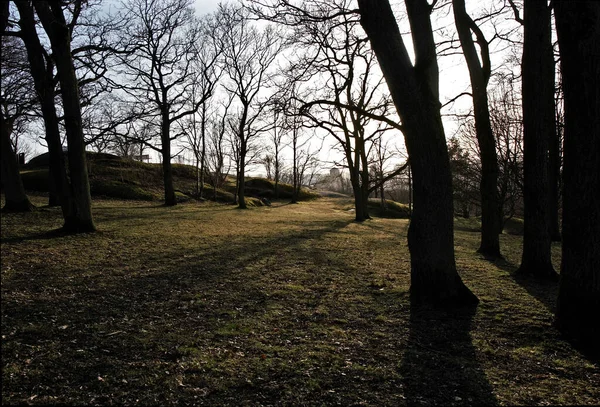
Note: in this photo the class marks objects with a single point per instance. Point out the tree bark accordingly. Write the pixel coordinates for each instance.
(578, 313)
(170, 199)
(538, 128)
(434, 278)
(242, 179)
(16, 199)
(479, 73)
(54, 24)
(42, 74)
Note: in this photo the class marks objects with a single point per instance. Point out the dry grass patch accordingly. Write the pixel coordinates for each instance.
(282, 305)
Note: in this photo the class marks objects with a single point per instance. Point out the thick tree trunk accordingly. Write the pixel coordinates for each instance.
(578, 313)
(434, 278)
(16, 199)
(53, 196)
(170, 199)
(55, 26)
(538, 128)
(479, 74)
(44, 86)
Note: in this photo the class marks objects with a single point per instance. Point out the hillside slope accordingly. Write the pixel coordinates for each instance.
(123, 178)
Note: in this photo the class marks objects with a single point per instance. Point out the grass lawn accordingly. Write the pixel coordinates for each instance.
(205, 304)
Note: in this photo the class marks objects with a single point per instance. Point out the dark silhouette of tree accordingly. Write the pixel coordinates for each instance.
(249, 55)
(538, 129)
(578, 31)
(414, 89)
(15, 104)
(479, 72)
(73, 191)
(165, 39)
(59, 32)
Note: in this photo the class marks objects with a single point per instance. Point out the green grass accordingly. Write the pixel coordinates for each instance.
(203, 304)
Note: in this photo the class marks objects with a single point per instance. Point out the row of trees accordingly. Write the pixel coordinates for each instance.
(161, 65)
(416, 85)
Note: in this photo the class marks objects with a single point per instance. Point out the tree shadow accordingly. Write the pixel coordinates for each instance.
(440, 366)
(51, 234)
(545, 291)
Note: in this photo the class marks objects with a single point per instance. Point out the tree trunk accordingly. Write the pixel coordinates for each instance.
(242, 179)
(15, 198)
(294, 165)
(56, 27)
(434, 278)
(44, 86)
(53, 196)
(410, 192)
(554, 182)
(364, 177)
(479, 74)
(538, 128)
(203, 152)
(170, 199)
(578, 313)
(359, 200)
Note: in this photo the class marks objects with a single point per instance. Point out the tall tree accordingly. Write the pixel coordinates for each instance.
(555, 160)
(165, 39)
(59, 32)
(73, 191)
(479, 73)
(15, 102)
(578, 31)
(414, 89)
(249, 54)
(538, 129)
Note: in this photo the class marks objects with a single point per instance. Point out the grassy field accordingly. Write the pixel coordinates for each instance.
(205, 304)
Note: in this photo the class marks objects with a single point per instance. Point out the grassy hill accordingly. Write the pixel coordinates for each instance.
(293, 305)
(123, 178)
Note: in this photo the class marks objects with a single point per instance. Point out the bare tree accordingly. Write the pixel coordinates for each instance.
(276, 138)
(15, 104)
(195, 127)
(161, 71)
(479, 72)
(216, 163)
(249, 54)
(414, 89)
(341, 91)
(74, 191)
(59, 31)
(41, 67)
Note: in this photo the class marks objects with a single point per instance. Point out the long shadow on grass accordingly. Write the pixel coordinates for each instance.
(544, 291)
(439, 366)
(118, 335)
